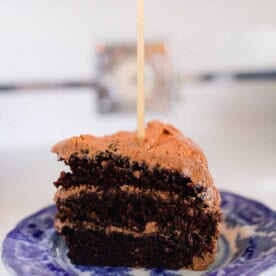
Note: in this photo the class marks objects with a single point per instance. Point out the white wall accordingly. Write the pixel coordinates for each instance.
(56, 39)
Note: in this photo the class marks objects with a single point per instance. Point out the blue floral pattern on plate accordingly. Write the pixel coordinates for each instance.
(247, 245)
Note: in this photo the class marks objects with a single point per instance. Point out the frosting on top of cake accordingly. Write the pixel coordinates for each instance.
(163, 146)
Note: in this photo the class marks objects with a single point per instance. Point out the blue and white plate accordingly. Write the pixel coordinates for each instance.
(247, 245)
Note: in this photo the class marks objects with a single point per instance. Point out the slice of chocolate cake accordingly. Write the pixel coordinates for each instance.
(138, 203)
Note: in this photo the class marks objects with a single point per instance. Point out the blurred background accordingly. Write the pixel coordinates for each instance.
(68, 67)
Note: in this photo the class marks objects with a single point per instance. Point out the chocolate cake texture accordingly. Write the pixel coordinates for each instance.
(138, 203)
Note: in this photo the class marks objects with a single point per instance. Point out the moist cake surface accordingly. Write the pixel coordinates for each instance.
(142, 203)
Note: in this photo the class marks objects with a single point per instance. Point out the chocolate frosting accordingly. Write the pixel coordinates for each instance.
(163, 146)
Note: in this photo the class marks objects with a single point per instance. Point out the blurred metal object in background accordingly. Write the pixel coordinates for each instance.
(117, 72)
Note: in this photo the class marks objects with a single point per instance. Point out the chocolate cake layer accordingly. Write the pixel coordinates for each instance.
(117, 249)
(118, 208)
(108, 170)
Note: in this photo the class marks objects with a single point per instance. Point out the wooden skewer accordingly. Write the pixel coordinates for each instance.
(140, 71)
